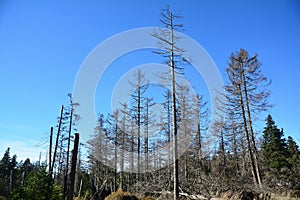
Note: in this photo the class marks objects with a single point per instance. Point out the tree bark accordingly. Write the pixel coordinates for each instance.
(174, 114)
(57, 138)
(73, 167)
(255, 153)
(253, 168)
(65, 189)
(139, 131)
(49, 184)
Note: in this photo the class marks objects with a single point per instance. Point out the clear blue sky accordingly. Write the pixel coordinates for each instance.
(43, 44)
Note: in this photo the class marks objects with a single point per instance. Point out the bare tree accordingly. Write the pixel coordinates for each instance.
(139, 86)
(167, 39)
(72, 114)
(186, 123)
(148, 121)
(201, 113)
(125, 141)
(248, 96)
(114, 137)
(234, 134)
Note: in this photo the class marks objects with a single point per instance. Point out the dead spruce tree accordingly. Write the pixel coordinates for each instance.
(167, 39)
(139, 86)
(186, 127)
(73, 119)
(248, 96)
(201, 115)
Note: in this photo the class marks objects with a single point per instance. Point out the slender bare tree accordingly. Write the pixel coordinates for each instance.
(167, 40)
(139, 87)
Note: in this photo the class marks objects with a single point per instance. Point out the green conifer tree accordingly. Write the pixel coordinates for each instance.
(294, 153)
(294, 161)
(275, 152)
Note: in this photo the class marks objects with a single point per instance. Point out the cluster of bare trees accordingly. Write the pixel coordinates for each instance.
(246, 96)
(59, 164)
(123, 154)
(136, 140)
(155, 147)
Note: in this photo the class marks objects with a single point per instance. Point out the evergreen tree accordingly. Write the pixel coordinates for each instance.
(274, 151)
(35, 186)
(7, 173)
(294, 161)
(294, 153)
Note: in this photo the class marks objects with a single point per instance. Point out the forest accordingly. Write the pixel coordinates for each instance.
(183, 160)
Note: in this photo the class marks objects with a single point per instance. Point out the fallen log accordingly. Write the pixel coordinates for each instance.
(181, 194)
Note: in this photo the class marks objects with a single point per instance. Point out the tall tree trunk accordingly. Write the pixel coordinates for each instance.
(131, 181)
(73, 168)
(57, 138)
(253, 168)
(174, 114)
(122, 153)
(199, 139)
(115, 158)
(255, 153)
(168, 38)
(139, 132)
(65, 189)
(146, 137)
(50, 150)
(49, 184)
(247, 90)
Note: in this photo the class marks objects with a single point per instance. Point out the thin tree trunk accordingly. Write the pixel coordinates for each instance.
(146, 137)
(65, 189)
(253, 170)
(57, 138)
(139, 131)
(50, 150)
(122, 151)
(49, 184)
(73, 168)
(223, 154)
(169, 134)
(199, 146)
(174, 124)
(115, 159)
(169, 40)
(199, 134)
(255, 153)
(131, 181)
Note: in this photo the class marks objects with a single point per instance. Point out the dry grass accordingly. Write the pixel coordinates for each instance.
(121, 195)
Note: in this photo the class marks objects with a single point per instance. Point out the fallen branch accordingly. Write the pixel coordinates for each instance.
(182, 194)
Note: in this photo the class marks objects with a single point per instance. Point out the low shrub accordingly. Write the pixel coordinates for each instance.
(121, 195)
